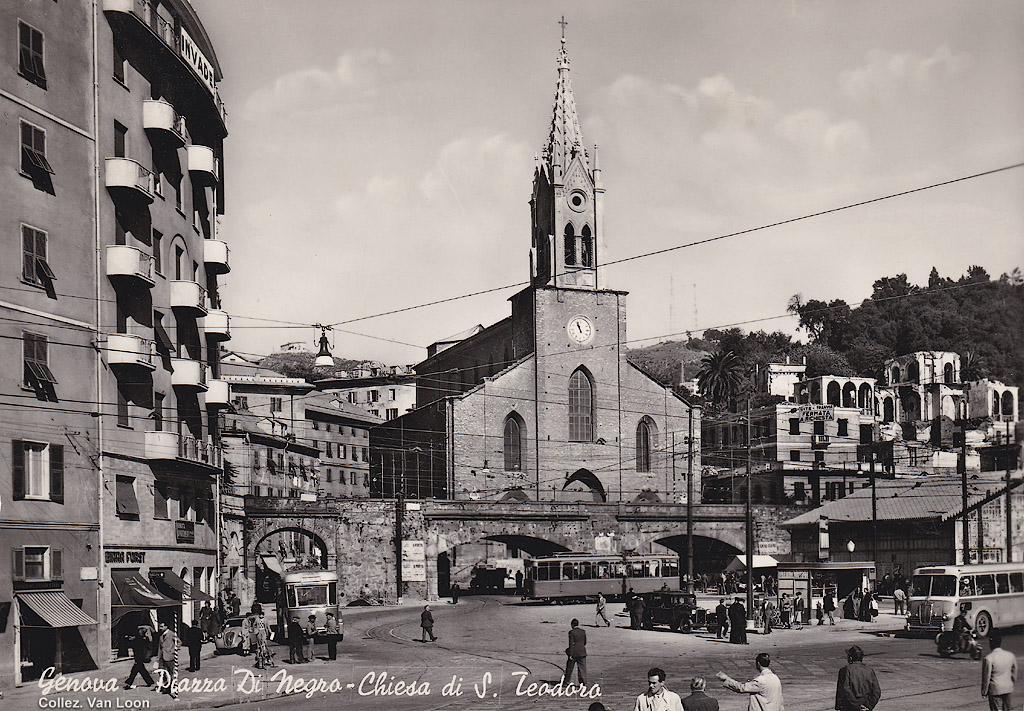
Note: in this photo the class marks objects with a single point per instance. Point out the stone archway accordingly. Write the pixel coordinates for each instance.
(710, 555)
(589, 480)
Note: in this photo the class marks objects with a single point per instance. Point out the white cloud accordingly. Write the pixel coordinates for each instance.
(886, 75)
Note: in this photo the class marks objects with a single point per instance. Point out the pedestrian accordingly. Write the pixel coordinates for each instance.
(768, 611)
(640, 606)
(332, 630)
(601, 611)
(295, 641)
(819, 612)
(455, 593)
(167, 659)
(830, 606)
(698, 700)
(576, 653)
(206, 621)
(261, 643)
(899, 600)
(998, 675)
(519, 583)
(309, 638)
(865, 607)
(737, 623)
(248, 633)
(141, 643)
(236, 606)
(631, 609)
(194, 641)
(798, 608)
(657, 697)
(427, 623)
(764, 690)
(722, 618)
(785, 610)
(857, 688)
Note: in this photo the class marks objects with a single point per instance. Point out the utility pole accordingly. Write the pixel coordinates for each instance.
(399, 515)
(961, 466)
(874, 512)
(689, 504)
(750, 529)
(1011, 454)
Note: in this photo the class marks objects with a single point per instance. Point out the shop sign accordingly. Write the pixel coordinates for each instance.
(185, 531)
(197, 60)
(414, 562)
(816, 413)
(122, 557)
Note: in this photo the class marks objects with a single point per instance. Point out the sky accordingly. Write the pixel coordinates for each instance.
(380, 156)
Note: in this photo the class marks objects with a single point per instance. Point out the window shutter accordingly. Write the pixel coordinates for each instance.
(18, 571)
(56, 564)
(57, 473)
(18, 469)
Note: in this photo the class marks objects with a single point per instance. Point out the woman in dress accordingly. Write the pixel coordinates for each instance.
(264, 658)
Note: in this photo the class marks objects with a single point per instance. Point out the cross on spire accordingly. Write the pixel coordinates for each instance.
(563, 23)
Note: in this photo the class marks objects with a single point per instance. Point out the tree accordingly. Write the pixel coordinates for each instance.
(720, 377)
(971, 367)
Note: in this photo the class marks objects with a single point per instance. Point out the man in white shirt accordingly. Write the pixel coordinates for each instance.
(764, 690)
(657, 697)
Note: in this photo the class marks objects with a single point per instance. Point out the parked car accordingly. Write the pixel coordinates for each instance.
(229, 640)
(674, 609)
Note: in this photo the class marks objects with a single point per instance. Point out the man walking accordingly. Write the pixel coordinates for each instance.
(737, 623)
(194, 641)
(427, 623)
(601, 611)
(998, 675)
(295, 641)
(631, 609)
(798, 608)
(657, 697)
(899, 600)
(577, 653)
(142, 643)
(764, 691)
(332, 630)
(167, 658)
(829, 607)
(857, 688)
(638, 605)
(309, 638)
(455, 593)
(722, 618)
(698, 700)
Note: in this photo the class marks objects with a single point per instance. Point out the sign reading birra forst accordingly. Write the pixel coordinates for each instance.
(813, 413)
(414, 562)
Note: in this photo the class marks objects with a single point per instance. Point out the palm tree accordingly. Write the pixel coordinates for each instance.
(971, 367)
(719, 377)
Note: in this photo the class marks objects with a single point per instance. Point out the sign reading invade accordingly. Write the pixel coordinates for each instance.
(813, 413)
(197, 60)
(414, 562)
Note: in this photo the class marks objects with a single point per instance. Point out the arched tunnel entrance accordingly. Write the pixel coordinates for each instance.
(710, 555)
(491, 565)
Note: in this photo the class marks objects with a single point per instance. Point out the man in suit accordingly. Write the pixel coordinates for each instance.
(737, 623)
(998, 675)
(427, 624)
(722, 618)
(639, 606)
(698, 700)
(167, 658)
(295, 636)
(857, 687)
(142, 642)
(577, 653)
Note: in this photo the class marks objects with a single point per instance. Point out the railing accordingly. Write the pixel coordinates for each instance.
(819, 440)
(197, 450)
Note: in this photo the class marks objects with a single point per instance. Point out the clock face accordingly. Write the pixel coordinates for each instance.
(580, 329)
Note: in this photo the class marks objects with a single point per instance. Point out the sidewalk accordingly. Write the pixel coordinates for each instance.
(222, 681)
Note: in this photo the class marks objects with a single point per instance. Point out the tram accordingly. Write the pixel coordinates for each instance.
(310, 592)
(570, 577)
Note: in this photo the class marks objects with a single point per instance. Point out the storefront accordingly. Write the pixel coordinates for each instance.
(814, 580)
(49, 633)
(135, 602)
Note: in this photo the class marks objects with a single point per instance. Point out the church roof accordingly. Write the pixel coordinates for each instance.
(565, 139)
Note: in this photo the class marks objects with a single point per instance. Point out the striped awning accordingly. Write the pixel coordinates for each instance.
(55, 608)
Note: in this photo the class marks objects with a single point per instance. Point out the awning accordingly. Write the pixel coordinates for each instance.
(272, 564)
(55, 608)
(760, 561)
(133, 594)
(178, 588)
(127, 504)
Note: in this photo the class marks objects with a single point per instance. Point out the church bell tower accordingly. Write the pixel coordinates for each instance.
(566, 205)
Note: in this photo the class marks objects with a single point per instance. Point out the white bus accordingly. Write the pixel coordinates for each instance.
(310, 592)
(995, 592)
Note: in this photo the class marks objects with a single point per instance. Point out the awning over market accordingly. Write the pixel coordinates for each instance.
(760, 561)
(272, 563)
(133, 594)
(177, 588)
(54, 608)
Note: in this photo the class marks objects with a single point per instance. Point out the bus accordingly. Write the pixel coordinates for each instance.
(581, 576)
(310, 592)
(995, 592)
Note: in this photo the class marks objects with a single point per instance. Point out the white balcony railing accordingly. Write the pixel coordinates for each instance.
(217, 325)
(174, 447)
(124, 349)
(215, 256)
(218, 393)
(820, 440)
(160, 117)
(188, 295)
(203, 164)
(188, 373)
(129, 176)
(130, 263)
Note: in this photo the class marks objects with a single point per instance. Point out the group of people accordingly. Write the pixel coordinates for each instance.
(302, 638)
(166, 644)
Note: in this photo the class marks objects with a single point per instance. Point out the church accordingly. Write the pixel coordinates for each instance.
(545, 404)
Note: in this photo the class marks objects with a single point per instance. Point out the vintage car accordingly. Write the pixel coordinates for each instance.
(678, 610)
(229, 640)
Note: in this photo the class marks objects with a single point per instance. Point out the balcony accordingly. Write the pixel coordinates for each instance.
(129, 179)
(819, 441)
(218, 393)
(188, 296)
(203, 165)
(130, 352)
(215, 256)
(188, 374)
(163, 123)
(129, 265)
(172, 447)
(217, 325)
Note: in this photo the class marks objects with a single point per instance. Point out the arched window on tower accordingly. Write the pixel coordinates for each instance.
(570, 245)
(513, 443)
(581, 407)
(587, 247)
(644, 444)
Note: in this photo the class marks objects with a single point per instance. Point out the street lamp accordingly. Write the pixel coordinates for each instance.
(850, 547)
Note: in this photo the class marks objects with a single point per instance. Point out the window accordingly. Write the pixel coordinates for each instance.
(843, 428)
(120, 140)
(122, 409)
(372, 395)
(586, 247)
(127, 503)
(581, 426)
(819, 427)
(330, 449)
(352, 397)
(328, 475)
(513, 445)
(570, 245)
(366, 454)
(794, 455)
(34, 267)
(316, 425)
(37, 369)
(30, 45)
(342, 451)
(643, 446)
(184, 502)
(391, 394)
(794, 425)
(37, 471)
(391, 413)
(819, 457)
(798, 491)
(33, 150)
(178, 199)
(242, 402)
(33, 563)
(120, 63)
(375, 413)
(158, 259)
(159, 500)
(352, 478)
(276, 404)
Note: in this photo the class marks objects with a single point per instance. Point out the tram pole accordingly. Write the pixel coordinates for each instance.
(689, 503)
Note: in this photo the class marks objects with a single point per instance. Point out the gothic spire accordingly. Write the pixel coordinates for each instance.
(565, 140)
